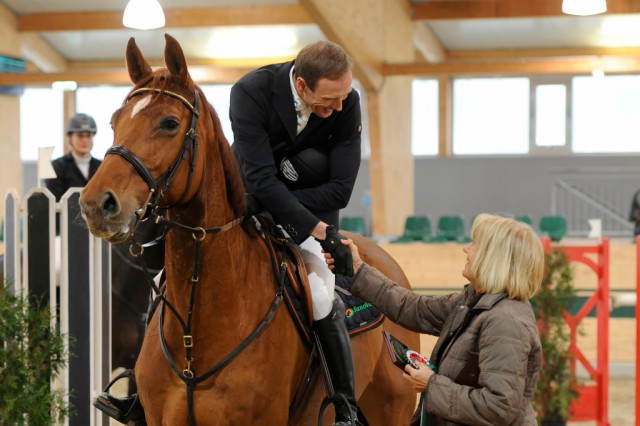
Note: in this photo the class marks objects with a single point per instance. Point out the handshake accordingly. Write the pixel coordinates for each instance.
(340, 253)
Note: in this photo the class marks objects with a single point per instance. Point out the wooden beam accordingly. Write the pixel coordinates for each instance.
(200, 75)
(40, 53)
(500, 54)
(474, 9)
(175, 18)
(445, 116)
(248, 63)
(612, 65)
(427, 43)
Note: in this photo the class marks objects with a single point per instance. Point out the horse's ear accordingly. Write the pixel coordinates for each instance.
(136, 64)
(174, 58)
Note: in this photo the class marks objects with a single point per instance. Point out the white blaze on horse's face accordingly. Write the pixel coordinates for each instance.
(140, 105)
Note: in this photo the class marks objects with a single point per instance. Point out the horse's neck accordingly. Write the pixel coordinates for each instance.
(216, 258)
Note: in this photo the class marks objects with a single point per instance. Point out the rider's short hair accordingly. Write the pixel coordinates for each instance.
(322, 59)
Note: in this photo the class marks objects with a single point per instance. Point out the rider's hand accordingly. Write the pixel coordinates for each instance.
(355, 255)
(341, 254)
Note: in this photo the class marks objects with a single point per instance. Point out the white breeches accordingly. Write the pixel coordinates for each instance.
(321, 279)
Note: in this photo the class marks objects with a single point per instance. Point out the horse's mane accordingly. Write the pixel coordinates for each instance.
(235, 183)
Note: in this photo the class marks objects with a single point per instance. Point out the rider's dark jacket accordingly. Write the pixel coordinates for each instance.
(69, 175)
(264, 122)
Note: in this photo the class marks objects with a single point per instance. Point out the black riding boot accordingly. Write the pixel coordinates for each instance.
(336, 346)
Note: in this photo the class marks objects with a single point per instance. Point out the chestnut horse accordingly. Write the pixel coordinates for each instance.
(220, 349)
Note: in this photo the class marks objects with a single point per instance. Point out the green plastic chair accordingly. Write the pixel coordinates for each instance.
(416, 228)
(525, 218)
(353, 224)
(555, 226)
(451, 228)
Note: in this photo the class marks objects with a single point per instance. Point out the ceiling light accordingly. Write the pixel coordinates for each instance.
(143, 15)
(584, 7)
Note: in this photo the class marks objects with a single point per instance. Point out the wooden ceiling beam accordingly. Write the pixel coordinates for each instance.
(201, 75)
(41, 54)
(427, 43)
(501, 54)
(581, 65)
(474, 9)
(247, 63)
(175, 18)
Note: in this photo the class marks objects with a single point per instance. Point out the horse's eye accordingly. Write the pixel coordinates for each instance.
(169, 123)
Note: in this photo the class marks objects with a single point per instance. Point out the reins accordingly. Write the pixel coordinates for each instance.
(188, 374)
(151, 207)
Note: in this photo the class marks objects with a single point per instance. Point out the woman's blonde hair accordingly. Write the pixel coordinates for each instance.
(509, 257)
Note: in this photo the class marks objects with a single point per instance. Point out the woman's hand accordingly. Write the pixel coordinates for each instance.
(357, 261)
(418, 378)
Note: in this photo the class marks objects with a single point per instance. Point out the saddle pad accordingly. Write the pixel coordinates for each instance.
(360, 316)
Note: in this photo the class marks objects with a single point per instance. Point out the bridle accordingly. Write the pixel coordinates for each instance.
(156, 192)
(151, 207)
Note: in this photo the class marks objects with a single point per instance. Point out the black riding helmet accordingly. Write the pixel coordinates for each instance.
(81, 123)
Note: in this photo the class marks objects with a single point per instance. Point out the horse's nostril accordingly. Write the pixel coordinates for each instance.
(110, 204)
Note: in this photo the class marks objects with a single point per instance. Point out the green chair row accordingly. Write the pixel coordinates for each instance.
(418, 228)
(451, 227)
(555, 226)
(353, 224)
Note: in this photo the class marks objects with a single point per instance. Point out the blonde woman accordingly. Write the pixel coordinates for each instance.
(488, 353)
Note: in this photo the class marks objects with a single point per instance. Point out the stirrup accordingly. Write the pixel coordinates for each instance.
(338, 398)
(123, 410)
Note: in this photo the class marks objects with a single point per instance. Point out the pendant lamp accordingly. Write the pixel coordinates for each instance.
(143, 15)
(584, 7)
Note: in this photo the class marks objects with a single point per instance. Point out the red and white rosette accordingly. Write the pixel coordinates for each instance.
(413, 357)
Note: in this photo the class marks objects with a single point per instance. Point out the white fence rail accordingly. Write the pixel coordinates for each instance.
(72, 273)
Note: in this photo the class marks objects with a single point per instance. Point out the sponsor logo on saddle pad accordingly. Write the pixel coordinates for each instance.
(350, 311)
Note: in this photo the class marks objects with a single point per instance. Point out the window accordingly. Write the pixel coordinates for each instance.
(491, 116)
(100, 102)
(605, 114)
(424, 117)
(41, 122)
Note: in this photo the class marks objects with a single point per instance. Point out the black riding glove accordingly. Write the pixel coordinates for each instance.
(341, 254)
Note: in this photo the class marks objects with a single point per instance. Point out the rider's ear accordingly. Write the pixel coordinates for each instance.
(174, 58)
(136, 64)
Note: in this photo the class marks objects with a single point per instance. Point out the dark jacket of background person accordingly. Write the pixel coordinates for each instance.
(69, 175)
(502, 332)
(634, 213)
(264, 123)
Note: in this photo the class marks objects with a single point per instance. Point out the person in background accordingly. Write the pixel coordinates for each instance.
(296, 128)
(634, 213)
(75, 168)
(488, 353)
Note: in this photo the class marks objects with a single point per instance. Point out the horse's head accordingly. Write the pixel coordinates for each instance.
(155, 161)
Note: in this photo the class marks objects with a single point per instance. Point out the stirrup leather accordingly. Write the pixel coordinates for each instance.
(123, 410)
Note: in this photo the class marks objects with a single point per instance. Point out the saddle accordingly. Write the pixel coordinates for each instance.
(360, 316)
